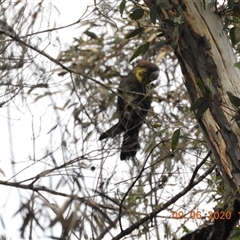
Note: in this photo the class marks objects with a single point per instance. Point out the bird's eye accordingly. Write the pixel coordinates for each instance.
(154, 75)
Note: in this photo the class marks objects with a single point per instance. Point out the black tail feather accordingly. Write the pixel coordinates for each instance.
(130, 146)
(112, 132)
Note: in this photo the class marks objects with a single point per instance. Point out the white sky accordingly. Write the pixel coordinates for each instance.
(69, 12)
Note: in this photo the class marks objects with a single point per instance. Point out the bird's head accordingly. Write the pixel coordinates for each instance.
(146, 72)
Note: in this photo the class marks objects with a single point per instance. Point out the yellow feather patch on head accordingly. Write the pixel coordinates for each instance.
(139, 73)
(145, 72)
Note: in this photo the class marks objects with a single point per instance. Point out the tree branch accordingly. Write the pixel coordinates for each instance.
(171, 201)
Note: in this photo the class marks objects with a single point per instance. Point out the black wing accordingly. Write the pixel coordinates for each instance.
(133, 102)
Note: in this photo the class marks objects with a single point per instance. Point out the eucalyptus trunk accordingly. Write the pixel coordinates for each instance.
(195, 31)
(207, 61)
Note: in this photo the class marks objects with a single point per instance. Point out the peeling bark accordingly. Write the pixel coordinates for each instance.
(207, 62)
(206, 56)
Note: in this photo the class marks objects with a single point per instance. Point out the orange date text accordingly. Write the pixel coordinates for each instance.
(215, 215)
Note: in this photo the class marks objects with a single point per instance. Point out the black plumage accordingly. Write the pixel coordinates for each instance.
(133, 105)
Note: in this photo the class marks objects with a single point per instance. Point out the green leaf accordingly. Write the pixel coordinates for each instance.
(200, 84)
(201, 105)
(153, 14)
(210, 5)
(159, 133)
(162, 4)
(210, 86)
(198, 103)
(237, 64)
(179, 19)
(185, 229)
(161, 34)
(134, 33)
(235, 235)
(232, 35)
(173, 44)
(175, 139)
(202, 109)
(122, 7)
(140, 50)
(159, 44)
(226, 23)
(230, 3)
(136, 53)
(176, 32)
(236, 8)
(90, 34)
(137, 14)
(233, 99)
(145, 47)
(170, 22)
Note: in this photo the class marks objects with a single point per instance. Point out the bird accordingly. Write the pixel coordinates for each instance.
(133, 104)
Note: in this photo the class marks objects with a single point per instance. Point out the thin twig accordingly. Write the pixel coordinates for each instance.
(150, 216)
(132, 185)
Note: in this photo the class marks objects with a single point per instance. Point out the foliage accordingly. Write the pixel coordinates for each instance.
(80, 186)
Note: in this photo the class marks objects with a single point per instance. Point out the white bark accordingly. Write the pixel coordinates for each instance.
(206, 55)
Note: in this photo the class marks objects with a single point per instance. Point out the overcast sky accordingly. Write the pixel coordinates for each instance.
(69, 12)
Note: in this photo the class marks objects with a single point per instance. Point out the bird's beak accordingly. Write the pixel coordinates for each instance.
(154, 75)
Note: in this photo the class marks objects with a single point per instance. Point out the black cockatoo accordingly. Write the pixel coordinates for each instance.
(133, 104)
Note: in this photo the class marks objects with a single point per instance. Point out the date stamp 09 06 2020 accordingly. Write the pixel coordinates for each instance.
(216, 215)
